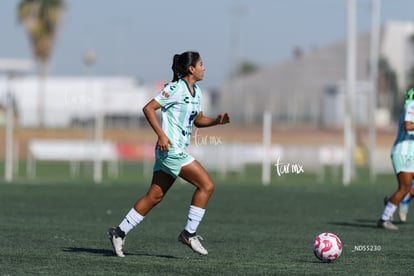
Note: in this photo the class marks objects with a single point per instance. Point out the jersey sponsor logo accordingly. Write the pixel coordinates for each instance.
(187, 101)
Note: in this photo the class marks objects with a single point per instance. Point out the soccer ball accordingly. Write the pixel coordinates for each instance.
(327, 247)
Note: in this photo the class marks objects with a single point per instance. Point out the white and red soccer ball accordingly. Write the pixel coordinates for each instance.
(327, 247)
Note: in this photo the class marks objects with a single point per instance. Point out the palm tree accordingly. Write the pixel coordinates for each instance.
(40, 19)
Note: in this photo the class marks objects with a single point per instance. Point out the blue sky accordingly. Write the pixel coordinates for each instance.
(139, 38)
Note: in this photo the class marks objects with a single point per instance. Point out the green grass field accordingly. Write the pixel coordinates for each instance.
(59, 228)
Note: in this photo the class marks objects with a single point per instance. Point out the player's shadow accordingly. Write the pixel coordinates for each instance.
(361, 223)
(97, 251)
(110, 253)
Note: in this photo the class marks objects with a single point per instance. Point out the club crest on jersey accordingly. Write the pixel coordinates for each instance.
(165, 94)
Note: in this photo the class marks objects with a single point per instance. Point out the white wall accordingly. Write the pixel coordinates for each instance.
(67, 98)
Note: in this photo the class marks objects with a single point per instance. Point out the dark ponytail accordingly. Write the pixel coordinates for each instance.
(176, 75)
(182, 62)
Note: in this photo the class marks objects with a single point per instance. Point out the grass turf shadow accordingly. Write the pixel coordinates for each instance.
(362, 223)
(110, 253)
(357, 223)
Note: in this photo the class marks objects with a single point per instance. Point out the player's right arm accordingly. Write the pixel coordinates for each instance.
(150, 113)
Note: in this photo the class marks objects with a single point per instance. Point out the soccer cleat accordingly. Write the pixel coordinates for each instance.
(192, 241)
(116, 240)
(386, 224)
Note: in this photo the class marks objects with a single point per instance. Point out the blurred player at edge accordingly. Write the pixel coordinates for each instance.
(405, 203)
(402, 157)
(180, 104)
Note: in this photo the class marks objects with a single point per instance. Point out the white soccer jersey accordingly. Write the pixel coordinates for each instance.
(179, 109)
(404, 142)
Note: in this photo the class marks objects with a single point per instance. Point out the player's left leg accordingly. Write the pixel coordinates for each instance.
(198, 176)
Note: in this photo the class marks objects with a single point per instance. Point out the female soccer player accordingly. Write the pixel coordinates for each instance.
(180, 104)
(402, 156)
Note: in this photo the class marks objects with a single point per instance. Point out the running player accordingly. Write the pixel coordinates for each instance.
(402, 156)
(180, 104)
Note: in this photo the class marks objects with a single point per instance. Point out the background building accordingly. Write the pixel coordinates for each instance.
(309, 87)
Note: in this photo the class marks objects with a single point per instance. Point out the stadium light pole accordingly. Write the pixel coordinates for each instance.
(8, 166)
(12, 67)
(89, 59)
(375, 40)
(99, 124)
(349, 124)
(236, 11)
(267, 143)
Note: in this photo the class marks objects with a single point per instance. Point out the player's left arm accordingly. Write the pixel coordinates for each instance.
(204, 121)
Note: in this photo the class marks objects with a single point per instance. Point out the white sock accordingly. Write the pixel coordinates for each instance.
(195, 215)
(132, 219)
(388, 211)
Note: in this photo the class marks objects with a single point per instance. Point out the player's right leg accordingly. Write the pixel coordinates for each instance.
(160, 184)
